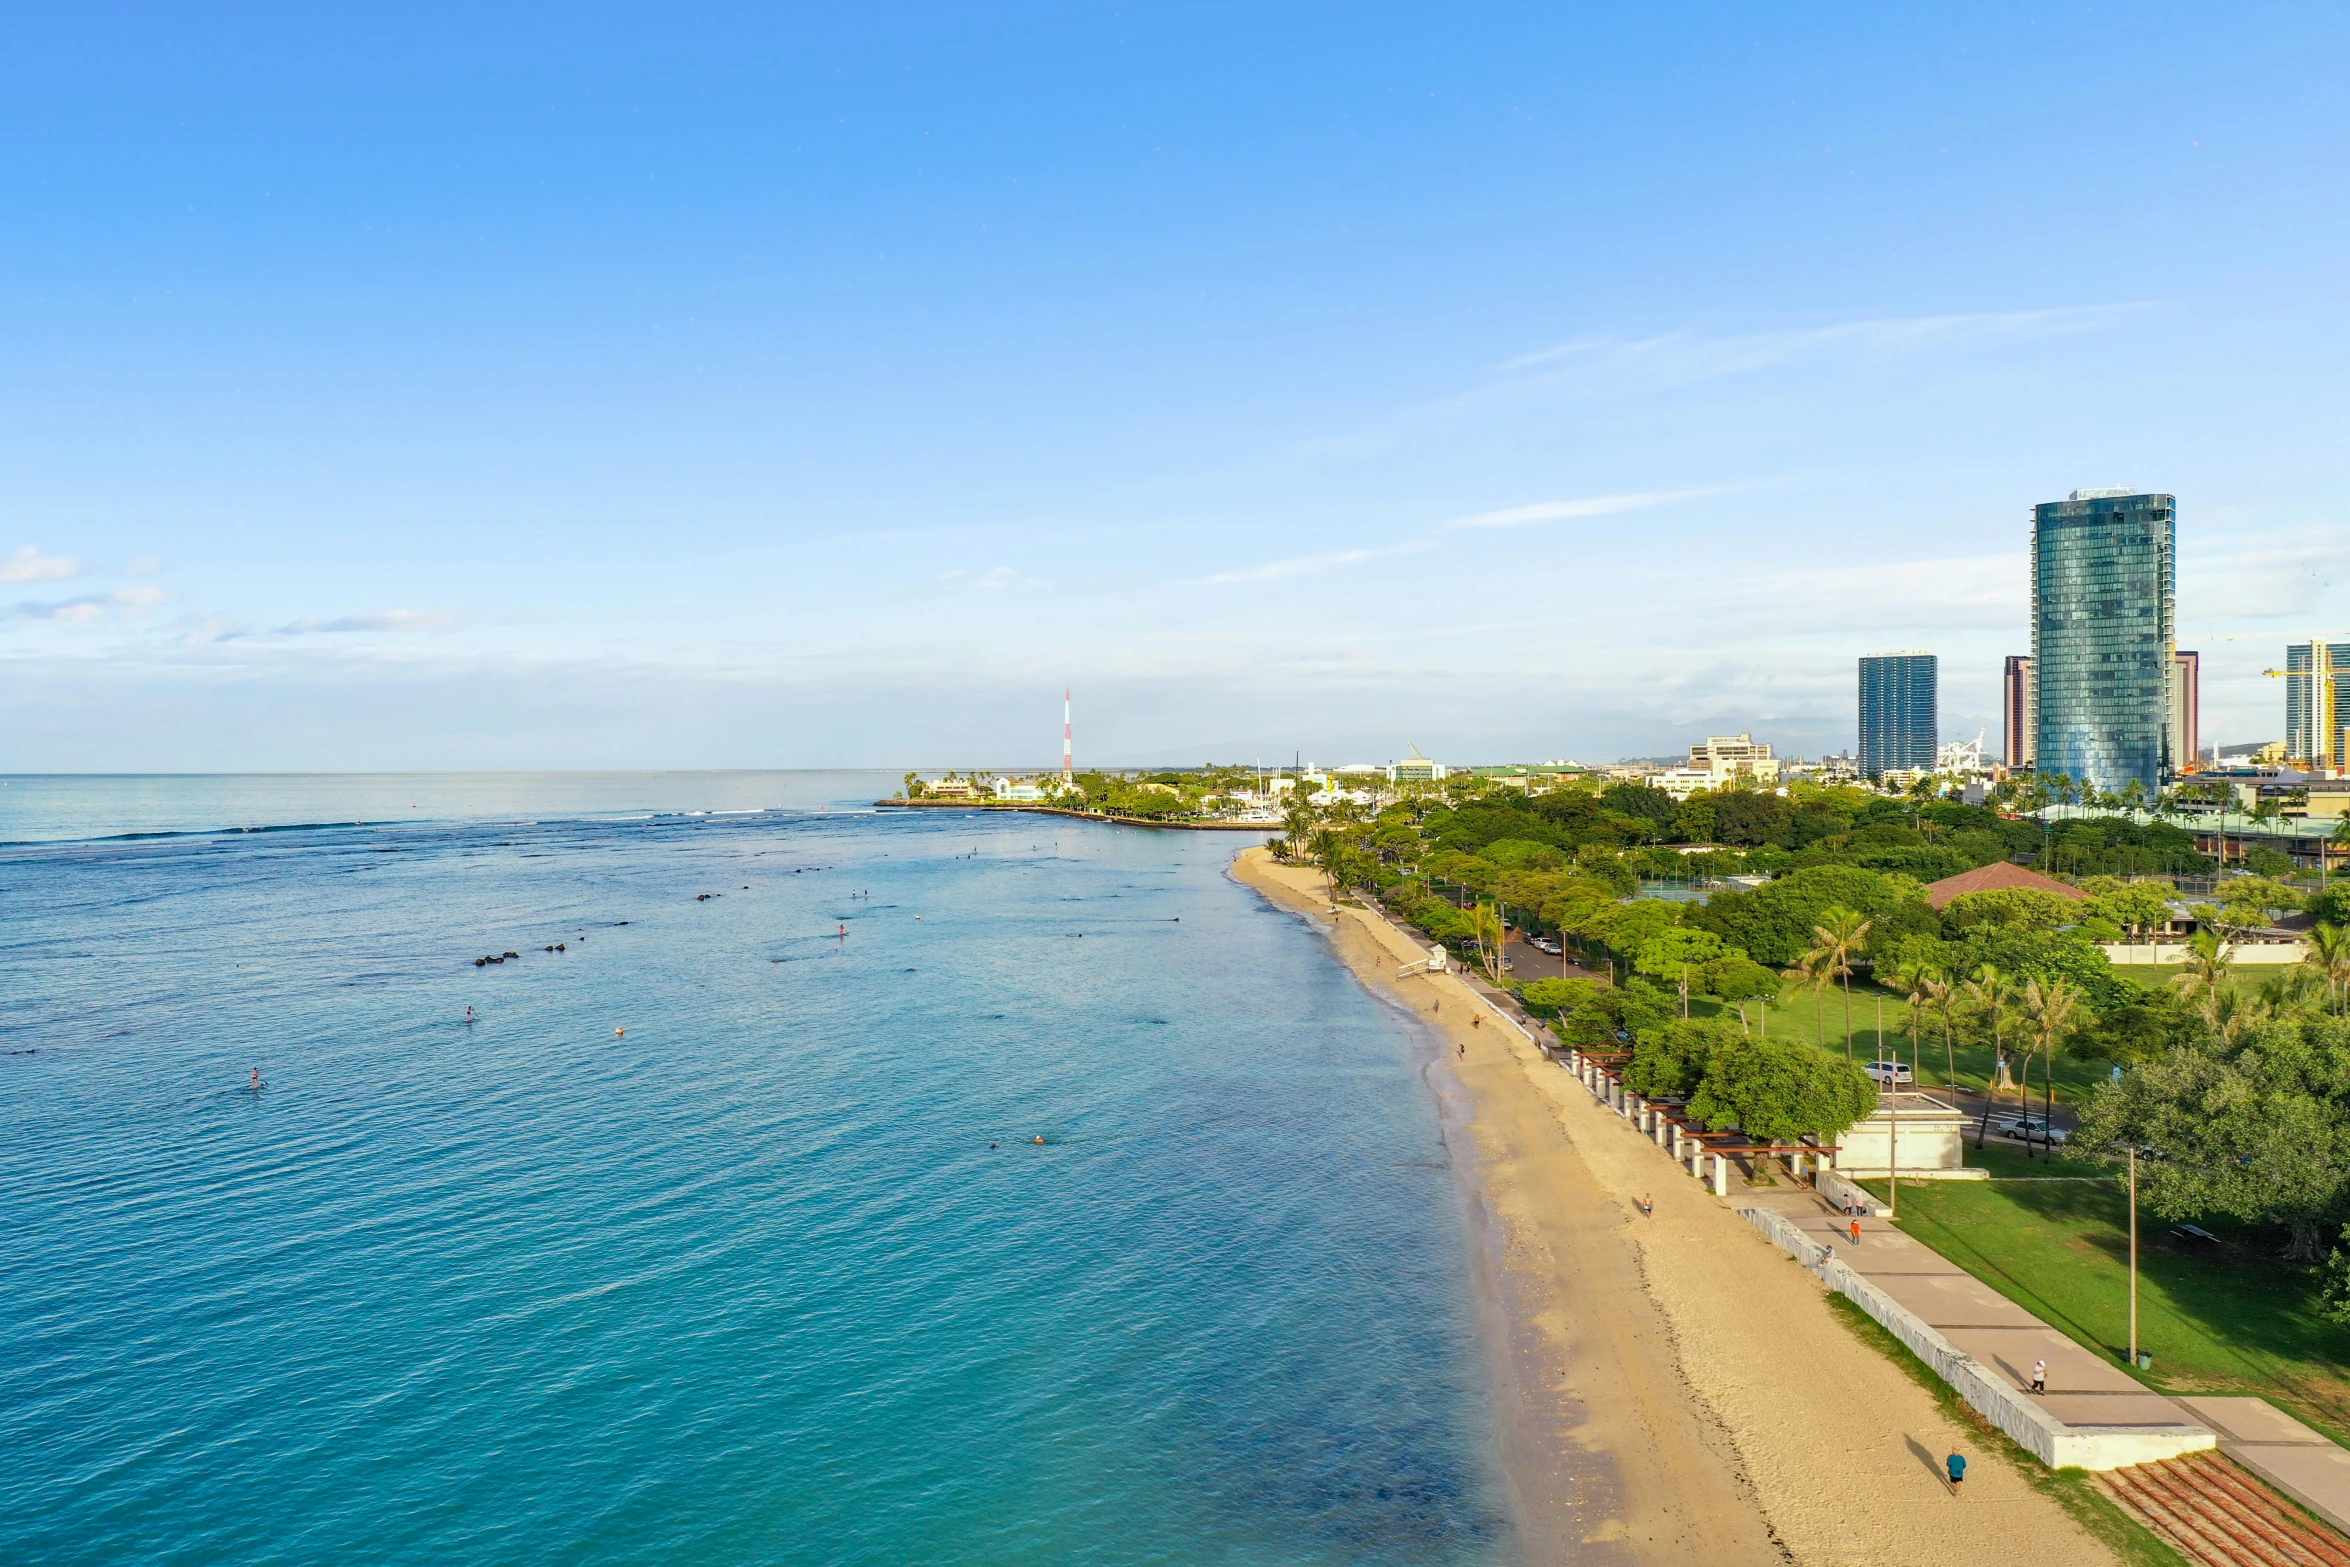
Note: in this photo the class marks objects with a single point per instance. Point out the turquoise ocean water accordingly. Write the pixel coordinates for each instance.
(747, 1283)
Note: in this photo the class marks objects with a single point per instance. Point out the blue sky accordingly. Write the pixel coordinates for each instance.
(603, 387)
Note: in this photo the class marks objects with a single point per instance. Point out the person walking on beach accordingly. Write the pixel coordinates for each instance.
(1957, 1463)
(2040, 1377)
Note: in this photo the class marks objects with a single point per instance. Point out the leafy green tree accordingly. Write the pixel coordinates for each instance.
(1604, 1017)
(2260, 1135)
(1738, 979)
(2138, 907)
(2011, 908)
(2247, 901)
(1669, 1058)
(1546, 998)
(1781, 1090)
(1672, 954)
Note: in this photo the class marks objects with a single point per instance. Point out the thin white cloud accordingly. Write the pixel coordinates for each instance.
(1690, 356)
(393, 620)
(145, 566)
(1306, 565)
(127, 602)
(28, 564)
(1589, 506)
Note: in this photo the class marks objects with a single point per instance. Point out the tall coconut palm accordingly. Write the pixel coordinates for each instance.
(2329, 954)
(1909, 981)
(1485, 924)
(1942, 995)
(2056, 1011)
(1841, 935)
(1806, 971)
(1992, 994)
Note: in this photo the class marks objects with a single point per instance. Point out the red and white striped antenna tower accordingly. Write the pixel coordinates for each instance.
(1068, 767)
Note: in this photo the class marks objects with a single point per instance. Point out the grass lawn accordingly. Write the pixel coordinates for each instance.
(2225, 1318)
(1808, 1017)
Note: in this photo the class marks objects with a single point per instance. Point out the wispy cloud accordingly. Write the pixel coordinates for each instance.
(1694, 356)
(126, 602)
(1589, 506)
(1507, 517)
(145, 566)
(1307, 565)
(28, 564)
(995, 579)
(393, 620)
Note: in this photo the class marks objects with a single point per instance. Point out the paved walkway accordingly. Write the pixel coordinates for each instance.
(2084, 1388)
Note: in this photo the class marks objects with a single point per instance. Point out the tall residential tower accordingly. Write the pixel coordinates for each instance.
(2015, 712)
(2104, 578)
(1900, 725)
(2317, 687)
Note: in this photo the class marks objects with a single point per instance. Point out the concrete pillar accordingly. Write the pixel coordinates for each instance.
(1696, 1153)
(1721, 1176)
(1661, 1128)
(1676, 1142)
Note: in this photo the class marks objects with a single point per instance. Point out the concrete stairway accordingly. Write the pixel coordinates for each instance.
(2210, 1510)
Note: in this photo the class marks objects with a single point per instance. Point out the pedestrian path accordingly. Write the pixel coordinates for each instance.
(2084, 1388)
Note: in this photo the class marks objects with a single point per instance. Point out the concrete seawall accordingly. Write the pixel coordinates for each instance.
(2017, 1413)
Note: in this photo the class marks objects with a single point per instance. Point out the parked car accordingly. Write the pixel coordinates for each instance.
(1889, 1074)
(2030, 1128)
(1546, 944)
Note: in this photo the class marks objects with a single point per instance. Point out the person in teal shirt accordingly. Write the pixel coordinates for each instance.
(1957, 1462)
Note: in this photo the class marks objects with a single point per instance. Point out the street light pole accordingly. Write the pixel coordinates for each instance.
(2133, 1256)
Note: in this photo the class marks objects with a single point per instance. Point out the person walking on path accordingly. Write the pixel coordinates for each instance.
(2040, 1377)
(1957, 1463)
(1856, 1229)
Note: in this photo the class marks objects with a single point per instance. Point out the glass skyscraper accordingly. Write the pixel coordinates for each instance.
(2104, 577)
(1900, 724)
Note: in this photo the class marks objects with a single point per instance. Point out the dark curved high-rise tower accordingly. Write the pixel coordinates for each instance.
(2104, 579)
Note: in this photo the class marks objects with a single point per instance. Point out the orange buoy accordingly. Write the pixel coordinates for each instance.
(618, 1032)
(1040, 1139)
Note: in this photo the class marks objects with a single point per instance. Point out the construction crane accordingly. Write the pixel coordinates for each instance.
(2325, 724)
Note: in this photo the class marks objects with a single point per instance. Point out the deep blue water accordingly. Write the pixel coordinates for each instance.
(747, 1283)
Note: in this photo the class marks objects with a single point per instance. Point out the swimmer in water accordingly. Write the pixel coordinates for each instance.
(257, 1080)
(469, 1014)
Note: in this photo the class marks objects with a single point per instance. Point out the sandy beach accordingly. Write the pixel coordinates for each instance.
(1671, 1387)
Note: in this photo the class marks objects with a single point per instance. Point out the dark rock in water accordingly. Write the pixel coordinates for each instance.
(514, 954)
(478, 962)
(559, 947)
(701, 897)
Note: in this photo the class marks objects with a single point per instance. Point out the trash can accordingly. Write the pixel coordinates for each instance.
(2145, 1360)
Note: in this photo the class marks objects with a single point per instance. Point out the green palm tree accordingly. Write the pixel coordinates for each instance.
(1485, 925)
(1841, 936)
(1943, 995)
(2056, 1011)
(1993, 995)
(1805, 971)
(2329, 954)
(2209, 963)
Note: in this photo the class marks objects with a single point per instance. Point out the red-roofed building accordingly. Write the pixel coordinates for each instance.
(1998, 878)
